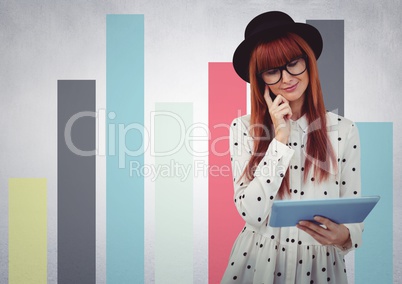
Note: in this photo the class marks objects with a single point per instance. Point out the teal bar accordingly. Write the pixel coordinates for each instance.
(125, 120)
(174, 193)
(374, 260)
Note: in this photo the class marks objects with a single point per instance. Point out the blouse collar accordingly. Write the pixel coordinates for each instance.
(301, 122)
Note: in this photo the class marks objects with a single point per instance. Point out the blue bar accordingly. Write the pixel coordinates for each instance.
(125, 120)
(374, 260)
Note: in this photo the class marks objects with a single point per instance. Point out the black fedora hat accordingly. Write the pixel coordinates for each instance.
(268, 26)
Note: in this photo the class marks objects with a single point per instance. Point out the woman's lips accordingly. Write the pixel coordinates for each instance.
(292, 88)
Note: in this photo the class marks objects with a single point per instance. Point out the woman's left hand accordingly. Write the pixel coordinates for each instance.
(333, 234)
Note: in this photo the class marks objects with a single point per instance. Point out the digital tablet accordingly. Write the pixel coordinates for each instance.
(286, 213)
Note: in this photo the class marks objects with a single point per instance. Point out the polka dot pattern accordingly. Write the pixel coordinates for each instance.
(261, 253)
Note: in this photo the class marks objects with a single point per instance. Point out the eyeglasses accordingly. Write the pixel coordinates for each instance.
(295, 67)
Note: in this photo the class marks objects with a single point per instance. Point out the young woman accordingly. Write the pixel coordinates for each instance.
(290, 147)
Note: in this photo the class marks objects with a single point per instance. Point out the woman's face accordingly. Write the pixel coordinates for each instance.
(291, 87)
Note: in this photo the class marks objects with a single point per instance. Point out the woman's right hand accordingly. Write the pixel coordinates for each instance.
(280, 112)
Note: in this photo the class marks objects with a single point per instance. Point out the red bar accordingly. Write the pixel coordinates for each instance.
(227, 95)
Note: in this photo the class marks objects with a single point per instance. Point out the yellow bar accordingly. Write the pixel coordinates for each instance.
(27, 232)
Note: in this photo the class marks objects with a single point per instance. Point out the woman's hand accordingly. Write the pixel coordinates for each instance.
(334, 234)
(280, 112)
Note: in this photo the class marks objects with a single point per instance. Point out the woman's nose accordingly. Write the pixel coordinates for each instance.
(286, 76)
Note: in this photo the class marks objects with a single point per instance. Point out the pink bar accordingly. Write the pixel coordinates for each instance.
(227, 100)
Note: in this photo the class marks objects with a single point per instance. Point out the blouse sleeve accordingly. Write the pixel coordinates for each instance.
(350, 182)
(253, 199)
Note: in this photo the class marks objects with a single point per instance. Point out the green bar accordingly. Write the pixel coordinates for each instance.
(173, 194)
(27, 232)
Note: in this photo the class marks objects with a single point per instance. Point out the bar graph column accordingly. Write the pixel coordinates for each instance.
(374, 260)
(27, 233)
(76, 182)
(173, 193)
(331, 63)
(227, 100)
(125, 136)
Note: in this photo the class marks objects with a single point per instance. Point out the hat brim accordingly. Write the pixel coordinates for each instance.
(242, 54)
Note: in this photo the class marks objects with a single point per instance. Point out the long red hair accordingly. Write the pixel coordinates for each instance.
(320, 154)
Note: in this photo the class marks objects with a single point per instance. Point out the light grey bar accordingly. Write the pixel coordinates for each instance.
(76, 182)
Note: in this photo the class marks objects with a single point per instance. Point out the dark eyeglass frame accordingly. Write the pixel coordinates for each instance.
(284, 67)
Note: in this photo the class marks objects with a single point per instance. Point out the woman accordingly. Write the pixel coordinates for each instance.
(289, 148)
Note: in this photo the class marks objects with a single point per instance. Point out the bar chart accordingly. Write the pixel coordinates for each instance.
(173, 169)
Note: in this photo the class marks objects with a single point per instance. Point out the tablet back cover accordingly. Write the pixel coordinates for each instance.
(287, 213)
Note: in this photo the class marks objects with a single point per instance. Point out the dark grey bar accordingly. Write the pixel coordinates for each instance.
(331, 63)
(76, 181)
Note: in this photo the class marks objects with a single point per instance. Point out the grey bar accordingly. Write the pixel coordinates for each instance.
(331, 63)
(76, 182)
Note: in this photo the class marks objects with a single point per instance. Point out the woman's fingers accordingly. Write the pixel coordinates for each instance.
(313, 227)
(281, 103)
(276, 102)
(281, 116)
(312, 231)
(283, 107)
(267, 97)
(280, 111)
(326, 222)
(332, 234)
(279, 100)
